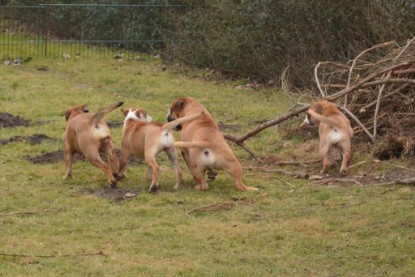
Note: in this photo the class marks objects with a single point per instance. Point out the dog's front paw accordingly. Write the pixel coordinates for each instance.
(202, 187)
(212, 175)
(113, 184)
(343, 172)
(153, 189)
(117, 176)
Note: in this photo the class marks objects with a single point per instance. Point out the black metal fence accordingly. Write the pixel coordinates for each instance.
(65, 30)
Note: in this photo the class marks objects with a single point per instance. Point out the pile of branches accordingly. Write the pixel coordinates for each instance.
(377, 90)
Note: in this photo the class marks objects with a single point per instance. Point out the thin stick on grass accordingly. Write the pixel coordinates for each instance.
(227, 205)
(334, 180)
(393, 165)
(99, 253)
(26, 212)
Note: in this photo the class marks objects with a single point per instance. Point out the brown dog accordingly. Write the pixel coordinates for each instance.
(146, 140)
(203, 146)
(88, 134)
(334, 131)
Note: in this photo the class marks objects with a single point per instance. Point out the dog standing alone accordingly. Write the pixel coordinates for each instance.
(146, 140)
(203, 146)
(334, 131)
(88, 134)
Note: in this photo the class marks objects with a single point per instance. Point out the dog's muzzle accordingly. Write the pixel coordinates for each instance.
(170, 118)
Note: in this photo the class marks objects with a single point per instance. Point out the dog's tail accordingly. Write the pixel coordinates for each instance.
(172, 124)
(323, 119)
(99, 115)
(191, 144)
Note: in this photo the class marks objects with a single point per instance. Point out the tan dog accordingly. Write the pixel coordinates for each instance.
(146, 140)
(88, 134)
(334, 131)
(203, 146)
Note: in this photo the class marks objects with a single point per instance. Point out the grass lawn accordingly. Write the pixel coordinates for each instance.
(78, 227)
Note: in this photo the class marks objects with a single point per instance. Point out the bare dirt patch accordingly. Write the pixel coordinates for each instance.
(116, 195)
(9, 121)
(33, 139)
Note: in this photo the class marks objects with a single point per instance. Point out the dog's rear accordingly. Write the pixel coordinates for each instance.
(88, 134)
(203, 146)
(146, 140)
(334, 131)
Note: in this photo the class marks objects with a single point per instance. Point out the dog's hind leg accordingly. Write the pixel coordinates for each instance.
(125, 153)
(234, 169)
(346, 155)
(68, 157)
(151, 162)
(150, 158)
(112, 159)
(324, 153)
(95, 159)
(171, 153)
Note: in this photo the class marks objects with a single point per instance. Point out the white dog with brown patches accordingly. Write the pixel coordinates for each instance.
(334, 131)
(145, 139)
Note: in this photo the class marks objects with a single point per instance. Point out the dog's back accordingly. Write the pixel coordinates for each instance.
(334, 130)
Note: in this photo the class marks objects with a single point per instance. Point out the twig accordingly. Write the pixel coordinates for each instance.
(349, 113)
(354, 204)
(14, 213)
(332, 180)
(227, 205)
(407, 181)
(357, 164)
(25, 213)
(386, 96)
(99, 253)
(299, 175)
(303, 163)
(375, 116)
(361, 54)
(393, 165)
(323, 94)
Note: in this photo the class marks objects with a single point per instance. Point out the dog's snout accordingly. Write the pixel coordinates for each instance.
(169, 118)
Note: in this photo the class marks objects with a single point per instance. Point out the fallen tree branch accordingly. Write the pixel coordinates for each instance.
(266, 125)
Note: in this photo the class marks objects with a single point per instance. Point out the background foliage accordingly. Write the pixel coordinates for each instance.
(248, 38)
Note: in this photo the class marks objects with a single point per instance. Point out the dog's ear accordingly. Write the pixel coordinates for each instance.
(179, 105)
(67, 115)
(85, 108)
(124, 112)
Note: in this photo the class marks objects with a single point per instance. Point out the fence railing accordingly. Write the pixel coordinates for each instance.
(57, 30)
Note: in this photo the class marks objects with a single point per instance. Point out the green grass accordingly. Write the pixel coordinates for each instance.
(289, 228)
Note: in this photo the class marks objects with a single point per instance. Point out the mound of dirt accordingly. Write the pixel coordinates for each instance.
(33, 139)
(9, 121)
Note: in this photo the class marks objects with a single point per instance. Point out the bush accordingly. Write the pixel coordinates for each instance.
(260, 39)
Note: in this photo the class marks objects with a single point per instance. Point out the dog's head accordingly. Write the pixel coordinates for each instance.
(74, 111)
(176, 110)
(307, 120)
(136, 114)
